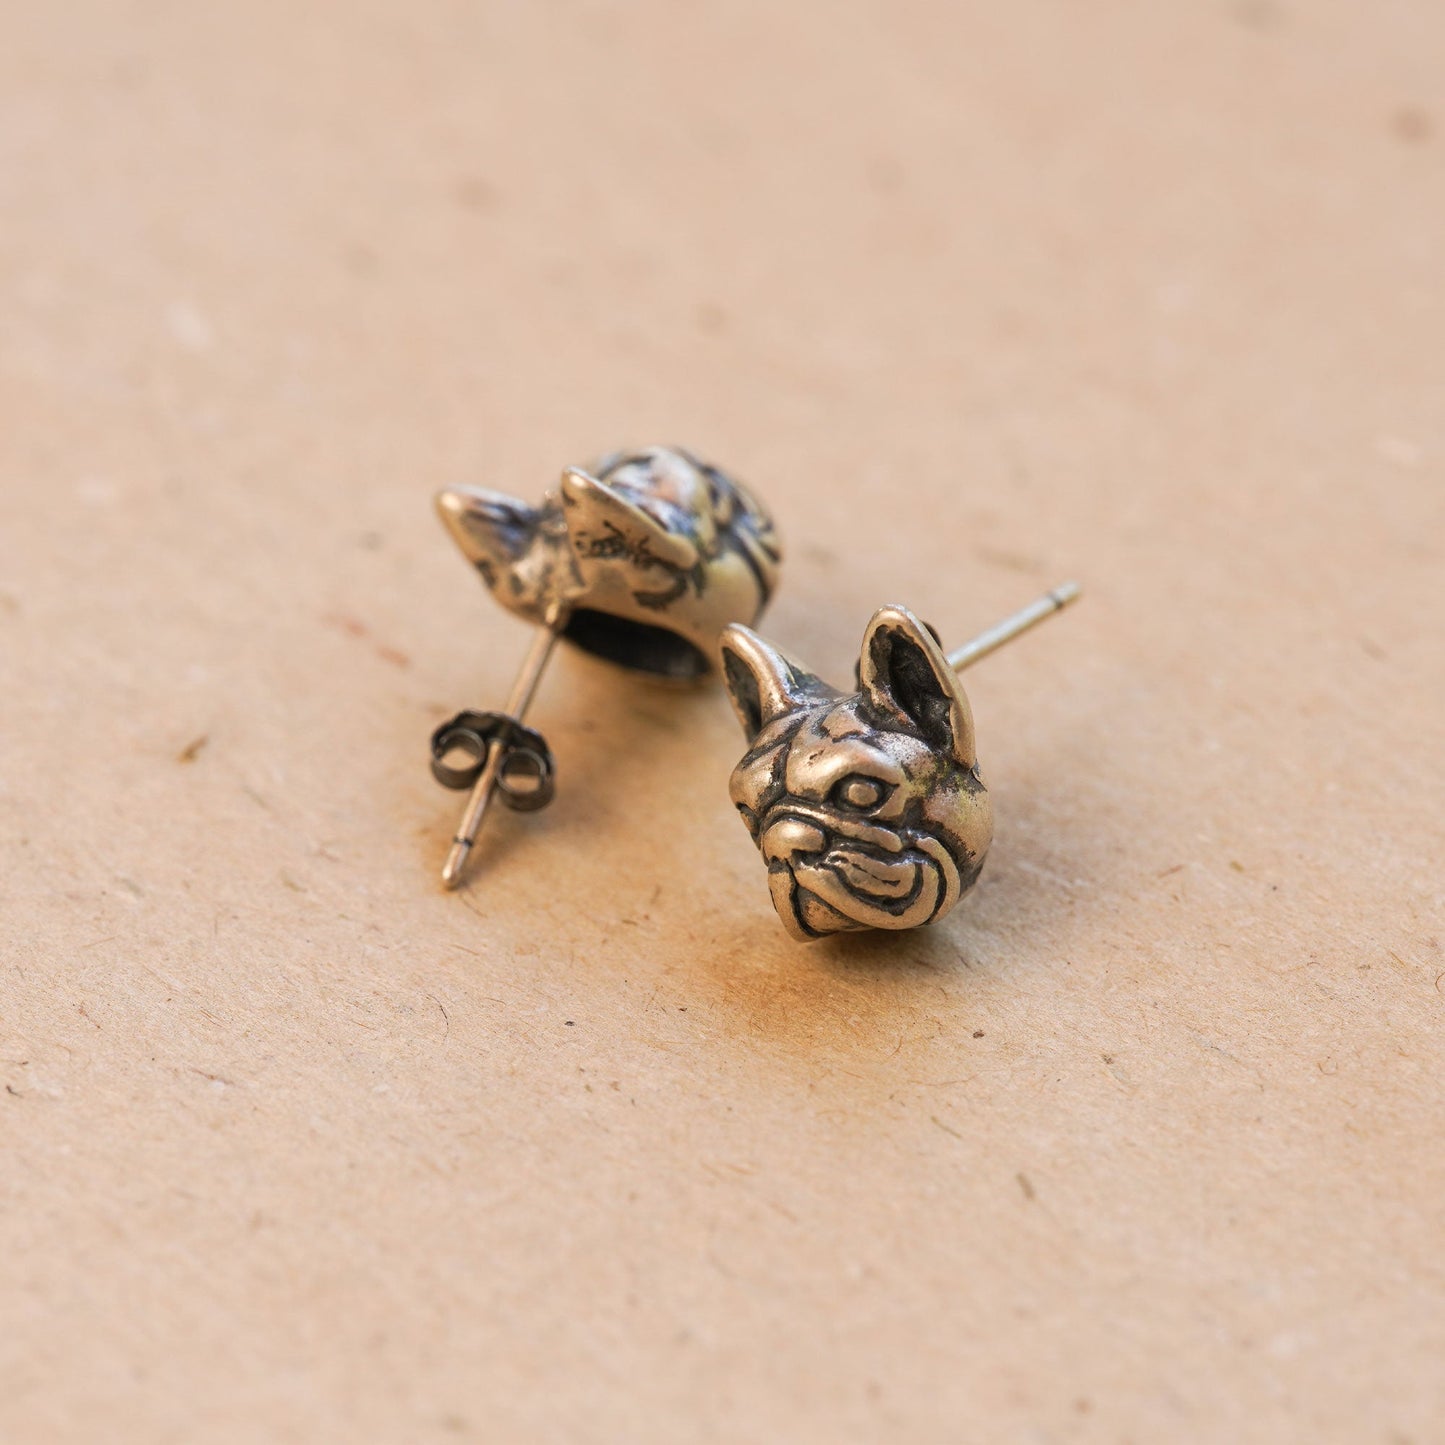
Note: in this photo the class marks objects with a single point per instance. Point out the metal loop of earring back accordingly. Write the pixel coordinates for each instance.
(642, 562)
(525, 756)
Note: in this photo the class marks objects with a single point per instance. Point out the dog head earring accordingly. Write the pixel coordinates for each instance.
(641, 561)
(868, 807)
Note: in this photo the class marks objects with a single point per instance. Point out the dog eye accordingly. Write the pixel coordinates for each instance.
(859, 793)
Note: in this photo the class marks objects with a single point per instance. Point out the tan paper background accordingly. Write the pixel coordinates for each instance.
(1143, 1144)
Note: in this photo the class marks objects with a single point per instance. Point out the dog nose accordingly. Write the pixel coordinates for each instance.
(790, 836)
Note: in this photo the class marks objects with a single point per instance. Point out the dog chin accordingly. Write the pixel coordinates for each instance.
(805, 915)
(818, 898)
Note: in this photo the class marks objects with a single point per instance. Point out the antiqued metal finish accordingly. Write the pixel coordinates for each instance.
(868, 807)
(647, 558)
(642, 561)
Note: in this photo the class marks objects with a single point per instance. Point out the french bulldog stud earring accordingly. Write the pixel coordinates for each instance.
(642, 561)
(868, 807)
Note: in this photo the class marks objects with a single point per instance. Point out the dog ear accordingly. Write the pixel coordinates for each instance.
(602, 524)
(905, 676)
(761, 683)
(492, 529)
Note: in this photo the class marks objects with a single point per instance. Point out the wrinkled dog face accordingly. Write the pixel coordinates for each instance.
(868, 807)
(647, 559)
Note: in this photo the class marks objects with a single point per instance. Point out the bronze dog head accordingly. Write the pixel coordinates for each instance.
(868, 807)
(646, 558)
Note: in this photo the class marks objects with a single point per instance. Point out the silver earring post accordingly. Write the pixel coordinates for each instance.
(1014, 626)
(504, 746)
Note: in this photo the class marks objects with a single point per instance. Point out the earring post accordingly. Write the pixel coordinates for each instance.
(1015, 626)
(523, 691)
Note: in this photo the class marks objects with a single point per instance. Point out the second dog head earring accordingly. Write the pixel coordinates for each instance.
(868, 807)
(642, 561)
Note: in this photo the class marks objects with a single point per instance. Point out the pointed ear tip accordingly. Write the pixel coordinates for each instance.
(454, 505)
(894, 620)
(467, 497)
(895, 614)
(578, 482)
(735, 636)
(740, 643)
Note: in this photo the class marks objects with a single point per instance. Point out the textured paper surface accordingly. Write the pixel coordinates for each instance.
(1143, 1144)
